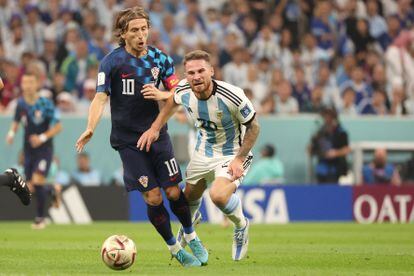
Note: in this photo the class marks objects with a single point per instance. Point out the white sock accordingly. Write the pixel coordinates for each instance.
(190, 237)
(174, 248)
(233, 210)
(194, 206)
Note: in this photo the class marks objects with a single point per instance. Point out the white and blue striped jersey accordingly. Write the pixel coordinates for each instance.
(219, 119)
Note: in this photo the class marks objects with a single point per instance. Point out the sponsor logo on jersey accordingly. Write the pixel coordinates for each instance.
(143, 180)
(219, 114)
(245, 111)
(126, 75)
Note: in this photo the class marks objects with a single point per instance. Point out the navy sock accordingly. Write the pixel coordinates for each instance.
(181, 209)
(41, 200)
(160, 218)
(5, 180)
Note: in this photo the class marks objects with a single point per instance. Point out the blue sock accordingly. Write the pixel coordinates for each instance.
(41, 200)
(181, 210)
(160, 218)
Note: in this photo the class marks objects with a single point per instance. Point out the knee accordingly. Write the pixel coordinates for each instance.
(153, 197)
(218, 198)
(172, 193)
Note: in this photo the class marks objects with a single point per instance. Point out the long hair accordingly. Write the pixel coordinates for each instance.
(124, 17)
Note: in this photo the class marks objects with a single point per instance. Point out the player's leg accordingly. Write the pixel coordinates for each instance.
(38, 180)
(159, 217)
(138, 166)
(169, 176)
(179, 206)
(15, 181)
(40, 163)
(223, 196)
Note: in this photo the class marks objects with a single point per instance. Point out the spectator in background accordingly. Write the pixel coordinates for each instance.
(285, 103)
(265, 45)
(323, 26)
(66, 103)
(85, 175)
(75, 67)
(374, 105)
(399, 60)
(362, 88)
(377, 24)
(235, 72)
(330, 92)
(330, 144)
(301, 91)
(379, 171)
(348, 106)
(268, 170)
(315, 105)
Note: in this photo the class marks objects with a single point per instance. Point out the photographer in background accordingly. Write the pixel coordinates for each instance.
(330, 144)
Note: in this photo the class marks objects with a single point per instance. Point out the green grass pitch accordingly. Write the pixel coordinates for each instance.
(293, 249)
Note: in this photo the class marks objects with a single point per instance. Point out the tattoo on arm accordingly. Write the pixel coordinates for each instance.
(252, 132)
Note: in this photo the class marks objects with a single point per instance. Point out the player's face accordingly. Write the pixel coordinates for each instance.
(199, 74)
(29, 84)
(136, 35)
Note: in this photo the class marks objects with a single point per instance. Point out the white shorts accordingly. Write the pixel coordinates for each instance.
(208, 168)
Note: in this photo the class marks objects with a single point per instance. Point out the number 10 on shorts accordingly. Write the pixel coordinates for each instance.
(171, 166)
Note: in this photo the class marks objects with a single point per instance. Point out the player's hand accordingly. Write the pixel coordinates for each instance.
(331, 154)
(235, 168)
(147, 138)
(9, 139)
(35, 141)
(150, 92)
(83, 140)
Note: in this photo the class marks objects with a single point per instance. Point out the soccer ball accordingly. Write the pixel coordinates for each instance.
(118, 252)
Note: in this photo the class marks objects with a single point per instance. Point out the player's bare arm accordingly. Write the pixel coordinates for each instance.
(151, 135)
(150, 92)
(1, 84)
(38, 140)
(12, 132)
(250, 137)
(95, 113)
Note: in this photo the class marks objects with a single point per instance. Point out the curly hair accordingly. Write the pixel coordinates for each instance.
(124, 17)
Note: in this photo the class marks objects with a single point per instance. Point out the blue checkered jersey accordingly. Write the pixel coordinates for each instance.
(122, 76)
(36, 119)
(220, 119)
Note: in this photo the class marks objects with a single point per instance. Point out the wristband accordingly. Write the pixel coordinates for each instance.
(11, 133)
(42, 137)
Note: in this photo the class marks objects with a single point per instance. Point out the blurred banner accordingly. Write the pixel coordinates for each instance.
(262, 204)
(383, 204)
(280, 204)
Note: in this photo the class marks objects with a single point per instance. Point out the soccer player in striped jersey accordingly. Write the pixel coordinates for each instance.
(227, 130)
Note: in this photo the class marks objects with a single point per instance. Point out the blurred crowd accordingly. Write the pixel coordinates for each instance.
(290, 56)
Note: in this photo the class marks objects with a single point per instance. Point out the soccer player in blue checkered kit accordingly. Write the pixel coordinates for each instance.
(227, 130)
(130, 76)
(41, 122)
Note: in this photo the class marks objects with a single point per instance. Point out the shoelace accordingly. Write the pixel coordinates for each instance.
(239, 236)
(180, 257)
(198, 248)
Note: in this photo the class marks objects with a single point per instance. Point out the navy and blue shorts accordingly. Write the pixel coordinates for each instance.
(37, 161)
(144, 171)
